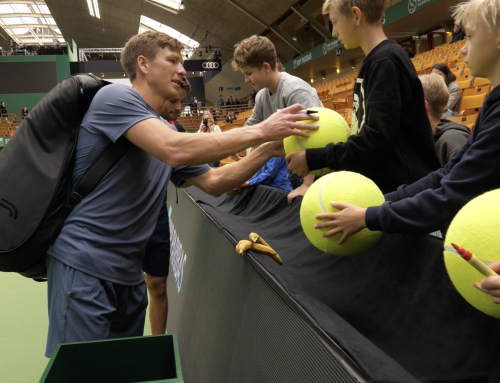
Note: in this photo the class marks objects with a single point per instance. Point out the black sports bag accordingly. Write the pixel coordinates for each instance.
(36, 170)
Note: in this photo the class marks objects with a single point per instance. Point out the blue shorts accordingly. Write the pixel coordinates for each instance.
(157, 254)
(84, 308)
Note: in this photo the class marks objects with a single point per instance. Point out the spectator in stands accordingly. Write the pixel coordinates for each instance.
(432, 202)
(101, 283)
(157, 254)
(453, 88)
(220, 103)
(3, 111)
(391, 141)
(458, 34)
(256, 58)
(194, 106)
(24, 112)
(208, 125)
(230, 117)
(229, 102)
(449, 136)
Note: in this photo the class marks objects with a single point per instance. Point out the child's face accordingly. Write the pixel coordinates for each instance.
(344, 28)
(481, 49)
(257, 77)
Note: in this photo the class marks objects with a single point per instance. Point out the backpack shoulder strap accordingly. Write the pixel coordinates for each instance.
(98, 170)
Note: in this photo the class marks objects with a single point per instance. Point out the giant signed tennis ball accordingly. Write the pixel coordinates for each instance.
(344, 187)
(475, 228)
(332, 128)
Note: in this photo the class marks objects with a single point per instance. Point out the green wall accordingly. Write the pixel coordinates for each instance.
(15, 102)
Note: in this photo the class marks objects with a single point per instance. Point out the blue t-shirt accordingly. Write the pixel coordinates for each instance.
(106, 233)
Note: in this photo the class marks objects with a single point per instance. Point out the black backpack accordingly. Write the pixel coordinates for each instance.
(36, 169)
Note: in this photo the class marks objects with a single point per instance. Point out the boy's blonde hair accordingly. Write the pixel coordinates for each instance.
(374, 10)
(435, 93)
(146, 44)
(254, 52)
(486, 10)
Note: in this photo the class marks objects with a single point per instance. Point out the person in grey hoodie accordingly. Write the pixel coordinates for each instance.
(449, 136)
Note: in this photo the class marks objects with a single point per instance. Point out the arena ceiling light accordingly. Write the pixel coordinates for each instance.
(170, 5)
(148, 24)
(94, 8)
(29, 22)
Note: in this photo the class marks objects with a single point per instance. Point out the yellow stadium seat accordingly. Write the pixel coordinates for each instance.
(472, 104)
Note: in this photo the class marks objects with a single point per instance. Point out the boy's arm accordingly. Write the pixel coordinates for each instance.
(381, 127)
(472, 172)
(430, 181)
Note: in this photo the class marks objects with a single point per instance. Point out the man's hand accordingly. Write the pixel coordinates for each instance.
(348, 220)
(297, 163)
(491, 285)
(284, 123)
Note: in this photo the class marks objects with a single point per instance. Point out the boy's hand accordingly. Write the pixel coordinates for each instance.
(297, 163)
(349, 220)
(278, 148)
(299, 192)
(284, 123)
(241, 187)
(491, 285)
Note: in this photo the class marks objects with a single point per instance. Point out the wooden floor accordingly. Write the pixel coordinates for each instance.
(23, 329)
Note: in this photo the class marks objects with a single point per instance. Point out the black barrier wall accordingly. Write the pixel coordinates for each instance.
(232, 326)
(392, 309)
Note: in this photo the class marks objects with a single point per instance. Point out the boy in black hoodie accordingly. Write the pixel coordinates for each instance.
(392, 139)
(431, 203)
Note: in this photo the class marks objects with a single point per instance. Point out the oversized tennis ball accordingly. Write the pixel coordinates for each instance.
(344, 187)
(475, 228)
(332, 128)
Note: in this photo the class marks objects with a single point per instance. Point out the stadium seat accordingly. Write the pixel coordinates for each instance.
(471, 104)
(473, 91)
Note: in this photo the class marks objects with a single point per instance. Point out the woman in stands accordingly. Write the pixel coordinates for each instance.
(208, 125)
(453, 88)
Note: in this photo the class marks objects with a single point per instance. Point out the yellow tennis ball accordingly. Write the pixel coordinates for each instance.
(344, 187)
(475, 228)
(332, 128)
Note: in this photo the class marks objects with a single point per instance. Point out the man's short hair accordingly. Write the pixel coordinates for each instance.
(146, 44)
(254, 52)
(374, 10)
(185, 84)
(486, 10)
(435, 93)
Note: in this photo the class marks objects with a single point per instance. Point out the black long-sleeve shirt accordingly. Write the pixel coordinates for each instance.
(437, 198)
(392, 141)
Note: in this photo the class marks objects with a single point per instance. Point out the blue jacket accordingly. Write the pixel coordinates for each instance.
(438, 197)
(273, 173)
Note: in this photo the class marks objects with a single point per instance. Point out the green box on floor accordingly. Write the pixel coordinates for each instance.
(2, 142)
(124, 360)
